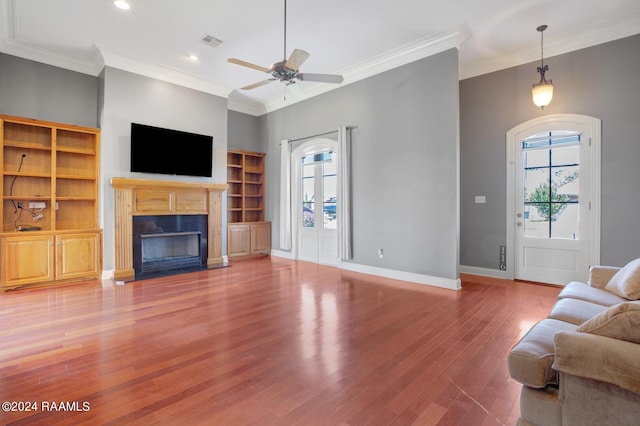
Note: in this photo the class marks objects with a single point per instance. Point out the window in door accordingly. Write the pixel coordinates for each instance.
(551, 163)
(319, 182)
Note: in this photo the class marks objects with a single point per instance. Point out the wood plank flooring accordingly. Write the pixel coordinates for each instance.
(266, 342)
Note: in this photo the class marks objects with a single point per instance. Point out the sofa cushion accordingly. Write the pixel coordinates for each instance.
(620, 322)
(575, 311)
(582, 291)
(531, 358)
(626, 282)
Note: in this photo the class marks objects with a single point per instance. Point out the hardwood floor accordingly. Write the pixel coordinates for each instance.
(266, 341)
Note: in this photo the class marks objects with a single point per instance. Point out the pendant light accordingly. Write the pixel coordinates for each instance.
(542, 91)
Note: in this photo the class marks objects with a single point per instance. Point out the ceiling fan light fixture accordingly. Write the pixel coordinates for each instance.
(542, 92)
(287, 71)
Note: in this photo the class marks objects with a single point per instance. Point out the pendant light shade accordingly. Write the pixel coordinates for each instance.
(542, 91)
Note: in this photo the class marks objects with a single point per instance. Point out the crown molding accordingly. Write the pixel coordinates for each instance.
(246, 106)
(554, 46)
(162, 73)
(411, 52)
(87, 62)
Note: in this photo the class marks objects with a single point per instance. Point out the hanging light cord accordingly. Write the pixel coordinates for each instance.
(542, 47)
(542, 68)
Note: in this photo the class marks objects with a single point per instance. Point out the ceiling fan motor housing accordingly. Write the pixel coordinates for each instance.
(282, 73)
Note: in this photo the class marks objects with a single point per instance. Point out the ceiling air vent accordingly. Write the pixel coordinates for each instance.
(210, 40)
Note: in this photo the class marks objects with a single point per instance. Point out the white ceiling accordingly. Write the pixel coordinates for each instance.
(356, 38)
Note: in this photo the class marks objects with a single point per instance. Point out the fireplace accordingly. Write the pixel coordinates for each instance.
(155, 200)
(169, 244)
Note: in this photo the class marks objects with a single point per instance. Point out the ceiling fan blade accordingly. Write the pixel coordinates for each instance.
(297, 58)
(258, 84)
(321, 78)
(247, 64)
(297, 91)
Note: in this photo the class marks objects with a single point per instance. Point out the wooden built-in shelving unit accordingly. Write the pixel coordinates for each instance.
(49, 190)
(247, 231)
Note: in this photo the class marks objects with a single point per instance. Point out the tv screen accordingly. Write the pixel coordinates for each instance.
(170, 152)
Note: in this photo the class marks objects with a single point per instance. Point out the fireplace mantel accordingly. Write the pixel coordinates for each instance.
(141, 197)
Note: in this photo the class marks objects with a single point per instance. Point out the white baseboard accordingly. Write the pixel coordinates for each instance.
(448, 283)
(485, 272)
(282, 253)
(452, 284)
(107, 275)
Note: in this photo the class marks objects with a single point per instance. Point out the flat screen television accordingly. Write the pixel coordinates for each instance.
(170, 152)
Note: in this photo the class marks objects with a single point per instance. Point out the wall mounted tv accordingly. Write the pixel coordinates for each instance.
(170, 152)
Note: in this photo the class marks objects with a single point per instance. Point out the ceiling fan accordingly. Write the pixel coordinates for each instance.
(287, 70)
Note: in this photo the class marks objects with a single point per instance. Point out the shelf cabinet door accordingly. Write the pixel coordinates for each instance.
(261, 238)
(238, 240)
(26, 259)
(78, 255)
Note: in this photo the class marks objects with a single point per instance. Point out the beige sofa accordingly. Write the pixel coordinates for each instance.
(581, 365)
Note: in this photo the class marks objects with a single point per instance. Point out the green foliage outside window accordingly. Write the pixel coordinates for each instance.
(548, 201)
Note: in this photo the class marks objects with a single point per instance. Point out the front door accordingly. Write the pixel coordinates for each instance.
(554, 200)
(317, 237)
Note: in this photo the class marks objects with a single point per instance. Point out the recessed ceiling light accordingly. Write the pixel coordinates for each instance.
(122, 4)
(193, 57)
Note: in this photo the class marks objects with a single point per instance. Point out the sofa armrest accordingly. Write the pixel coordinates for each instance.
(597, 357)
(599, 275)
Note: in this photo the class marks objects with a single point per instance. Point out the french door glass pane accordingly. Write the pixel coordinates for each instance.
(308, 193)
(329, 187)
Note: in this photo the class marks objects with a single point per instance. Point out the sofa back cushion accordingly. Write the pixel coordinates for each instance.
(620, 322)
(626, 282)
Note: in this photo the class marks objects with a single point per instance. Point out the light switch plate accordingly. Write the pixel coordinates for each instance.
(481, 199)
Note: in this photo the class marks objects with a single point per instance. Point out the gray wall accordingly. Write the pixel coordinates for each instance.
(405, 150)
(34, 90)
(243, 131)
(405, 162)
(129, 97)
(600, 81)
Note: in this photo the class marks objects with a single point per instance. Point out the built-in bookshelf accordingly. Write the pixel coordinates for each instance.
(247, 231)
(49, 190)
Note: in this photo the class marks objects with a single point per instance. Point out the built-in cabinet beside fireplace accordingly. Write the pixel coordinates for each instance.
(49, 227)
(165, 227)
(248, 233)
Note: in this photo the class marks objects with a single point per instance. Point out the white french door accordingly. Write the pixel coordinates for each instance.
(554, 215)
(315, 201)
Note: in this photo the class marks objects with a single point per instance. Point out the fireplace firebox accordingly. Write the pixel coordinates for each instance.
(169, 244)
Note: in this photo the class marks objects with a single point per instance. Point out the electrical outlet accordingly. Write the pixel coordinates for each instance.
(380, 253)
(37, 205)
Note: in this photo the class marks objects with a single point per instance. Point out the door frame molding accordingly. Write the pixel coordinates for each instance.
(296, 156)
(541, 124)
